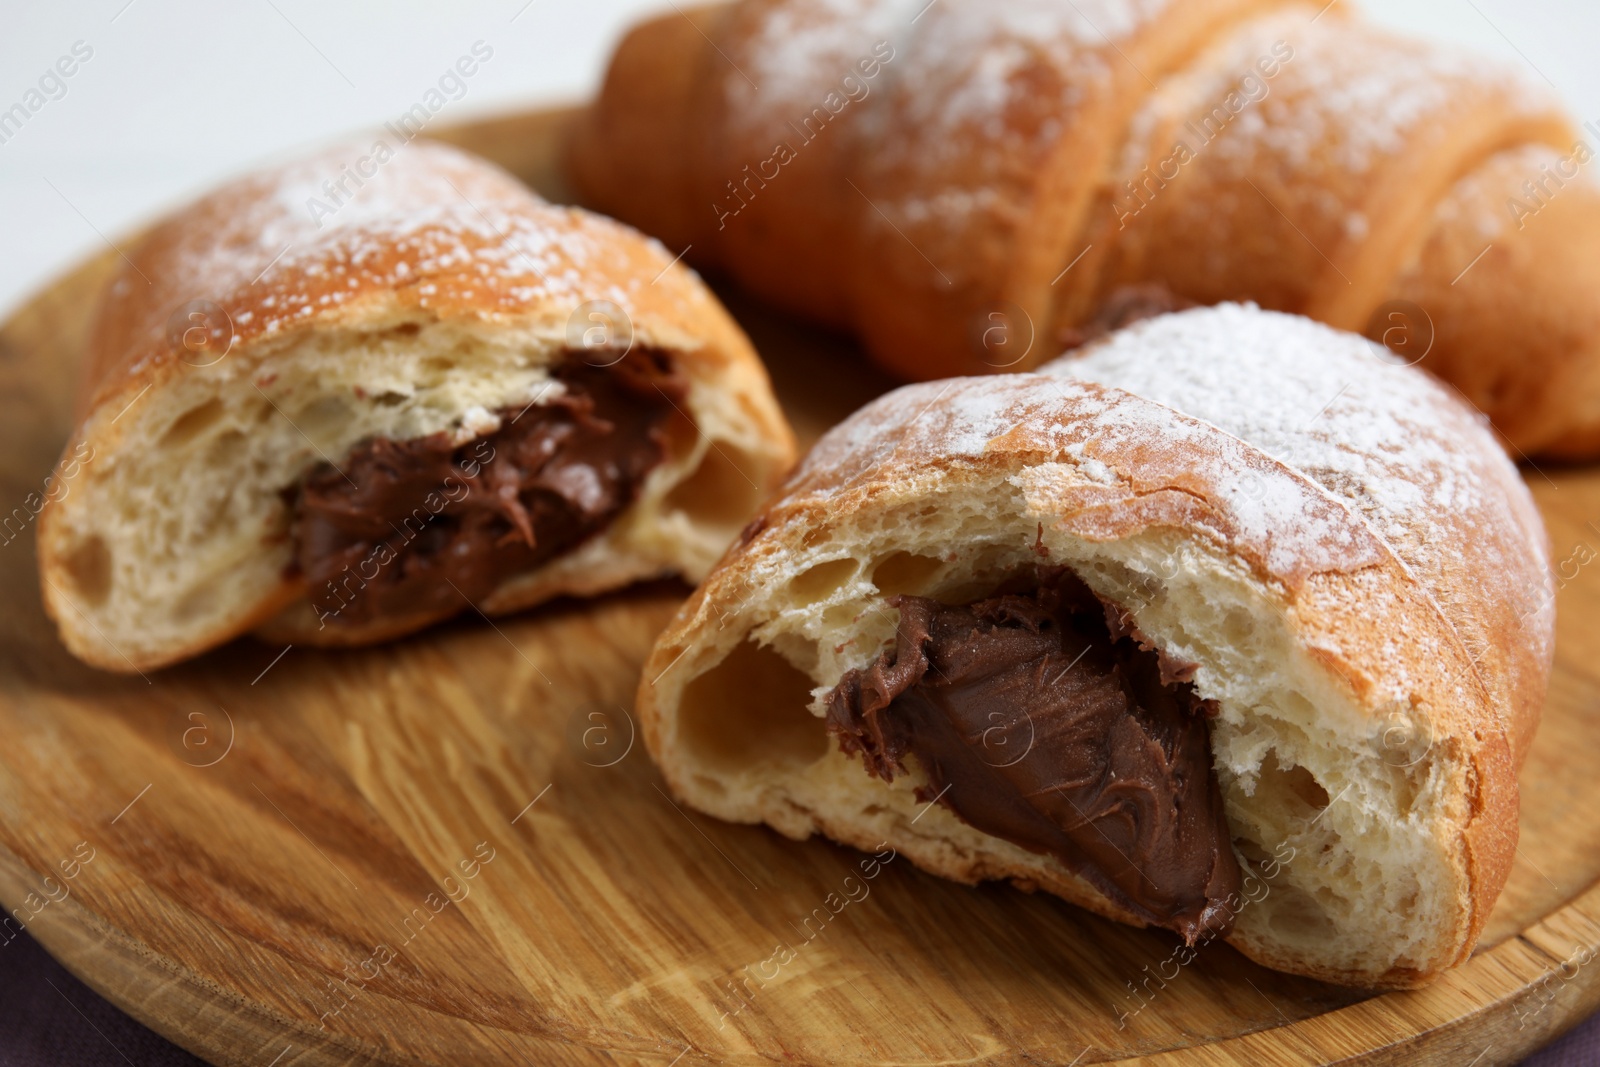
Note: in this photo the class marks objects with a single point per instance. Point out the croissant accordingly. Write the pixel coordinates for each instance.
(344, 398)
(1225, 627)
(963, 183)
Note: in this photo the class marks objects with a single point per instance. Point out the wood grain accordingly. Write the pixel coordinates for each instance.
(449, 850)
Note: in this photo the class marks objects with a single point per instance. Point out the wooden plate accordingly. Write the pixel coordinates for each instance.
(452, 850)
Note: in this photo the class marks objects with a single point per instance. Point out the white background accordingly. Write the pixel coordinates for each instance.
(180, 93)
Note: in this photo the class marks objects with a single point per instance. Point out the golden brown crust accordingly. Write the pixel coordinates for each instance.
(1007, 170)
(546, 261)
(432, 237)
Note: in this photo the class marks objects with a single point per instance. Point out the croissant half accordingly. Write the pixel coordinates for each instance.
(350, 396)
(1227, 626)
(964, 183)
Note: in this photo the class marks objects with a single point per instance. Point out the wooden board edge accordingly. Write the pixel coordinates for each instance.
(202, 1018)
(1496, 1008)
(151, 989)
(1501, 1005)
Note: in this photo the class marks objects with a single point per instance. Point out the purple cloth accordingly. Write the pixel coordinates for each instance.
(1579, 1048)
(48, 1018)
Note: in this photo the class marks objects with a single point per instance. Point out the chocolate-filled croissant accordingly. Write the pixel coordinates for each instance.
(964, 183)
(1228, 626)
(347, 397)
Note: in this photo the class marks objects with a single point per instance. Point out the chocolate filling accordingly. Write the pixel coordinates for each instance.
(425, 526)
(1037, 717)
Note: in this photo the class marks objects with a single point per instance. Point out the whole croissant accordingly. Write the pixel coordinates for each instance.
(964, 184)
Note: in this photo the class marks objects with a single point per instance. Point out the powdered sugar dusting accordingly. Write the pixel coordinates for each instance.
(1284, 521)
(801, 51)
(957, 417)
(981, 94)
(449, 231)
(1419, 467)
(1360, 95)
(965, 54)
(970, 58)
